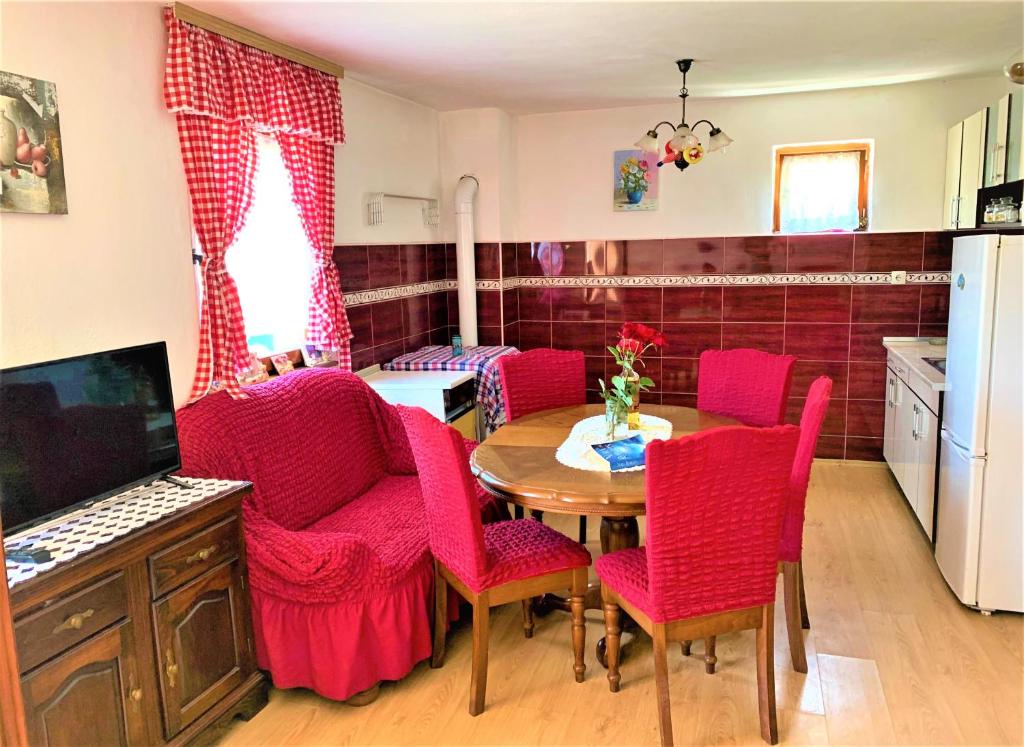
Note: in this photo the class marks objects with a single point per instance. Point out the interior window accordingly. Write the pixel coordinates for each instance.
(271, 260)
(822, 187)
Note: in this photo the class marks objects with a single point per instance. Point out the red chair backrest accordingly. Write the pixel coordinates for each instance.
(749, 385)
(542, 379)
(452, 510)
(715, 502)
(810, 428)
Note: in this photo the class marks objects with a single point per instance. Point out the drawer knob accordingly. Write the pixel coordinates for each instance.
(200, 556)
(135, 694)
(75, 621)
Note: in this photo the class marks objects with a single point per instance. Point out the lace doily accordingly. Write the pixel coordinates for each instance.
(576, 451)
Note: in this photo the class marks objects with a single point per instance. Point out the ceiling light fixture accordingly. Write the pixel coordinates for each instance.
(684, 148)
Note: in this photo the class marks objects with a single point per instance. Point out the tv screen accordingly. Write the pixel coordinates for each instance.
(80, 429)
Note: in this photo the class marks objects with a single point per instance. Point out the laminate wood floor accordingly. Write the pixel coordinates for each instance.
(893, 658)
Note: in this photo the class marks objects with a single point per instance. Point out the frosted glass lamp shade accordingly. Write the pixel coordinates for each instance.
(718, 140)
(683, 139)
(648, 142)
(1014, 67)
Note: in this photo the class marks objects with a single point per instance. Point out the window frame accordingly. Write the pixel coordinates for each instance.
(815, 149)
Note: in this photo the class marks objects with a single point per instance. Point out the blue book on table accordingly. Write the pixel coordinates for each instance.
(629, 452)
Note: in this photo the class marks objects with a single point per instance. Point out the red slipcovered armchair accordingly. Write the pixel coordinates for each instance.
(339, 560)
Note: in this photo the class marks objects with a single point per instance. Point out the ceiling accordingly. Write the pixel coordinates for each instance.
(551, 56)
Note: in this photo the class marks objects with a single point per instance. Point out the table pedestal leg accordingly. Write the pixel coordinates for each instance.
(617, 533)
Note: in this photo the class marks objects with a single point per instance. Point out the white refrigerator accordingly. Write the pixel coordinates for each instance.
(980, 522)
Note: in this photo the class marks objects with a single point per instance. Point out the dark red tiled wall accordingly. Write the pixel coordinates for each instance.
(834, 330)
(386, 329)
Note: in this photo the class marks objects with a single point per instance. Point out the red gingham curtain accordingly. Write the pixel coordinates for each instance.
(220, 163)
(223, 93)
(310, 163)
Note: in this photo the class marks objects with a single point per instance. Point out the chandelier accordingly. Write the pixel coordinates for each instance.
(685, 148)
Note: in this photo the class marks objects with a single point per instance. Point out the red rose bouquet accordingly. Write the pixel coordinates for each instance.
(623, 396)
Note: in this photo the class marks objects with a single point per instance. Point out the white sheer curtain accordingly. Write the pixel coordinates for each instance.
(818, 192)
(271, 261)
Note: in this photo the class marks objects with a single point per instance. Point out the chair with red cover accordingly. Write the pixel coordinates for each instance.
(715, 502)
(748, 385)
(488, 565)
(543, 379)
(791, 542)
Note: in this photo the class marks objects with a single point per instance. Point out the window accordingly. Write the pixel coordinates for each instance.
(822, 187)
(271, 260)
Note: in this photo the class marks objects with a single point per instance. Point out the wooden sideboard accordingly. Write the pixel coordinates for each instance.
(146, 639)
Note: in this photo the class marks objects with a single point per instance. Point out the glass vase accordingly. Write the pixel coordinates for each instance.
(614, 417)
(633, 415)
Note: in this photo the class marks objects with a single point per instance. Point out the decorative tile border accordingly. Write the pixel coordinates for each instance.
(670, 281)
(396, 292)
(358, 298)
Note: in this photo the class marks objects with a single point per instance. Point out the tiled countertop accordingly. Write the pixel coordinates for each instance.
(912, 351)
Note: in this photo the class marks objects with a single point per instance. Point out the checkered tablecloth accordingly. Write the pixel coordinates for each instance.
(479, 358)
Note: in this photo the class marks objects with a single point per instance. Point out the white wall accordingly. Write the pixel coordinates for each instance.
(481, 142)
(565, 160)
(392, 145)
(116, 270)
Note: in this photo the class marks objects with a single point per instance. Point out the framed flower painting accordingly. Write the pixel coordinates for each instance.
(635, 175)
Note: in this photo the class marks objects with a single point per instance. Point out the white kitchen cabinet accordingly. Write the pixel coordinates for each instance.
(889, 444)
(926, 438)
(911, 444)
(965, 163)
(954, 146)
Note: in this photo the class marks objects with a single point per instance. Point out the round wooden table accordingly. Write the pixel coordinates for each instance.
(517, 463)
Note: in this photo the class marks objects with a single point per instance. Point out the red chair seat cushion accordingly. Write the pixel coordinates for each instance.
(525, 548)
(389, 518)
(626, 572)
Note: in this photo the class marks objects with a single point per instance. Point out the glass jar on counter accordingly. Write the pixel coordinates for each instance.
(1008, 210)
(990, 211)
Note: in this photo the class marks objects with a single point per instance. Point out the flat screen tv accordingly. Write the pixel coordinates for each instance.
(80, 429)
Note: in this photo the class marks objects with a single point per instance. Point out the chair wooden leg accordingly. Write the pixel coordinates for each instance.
(538, 515)
(519, 513)
(583, 530)
(440, 618)
(661, 683)
(481, 633)
(710, 660)
(766, 675)
(579, 623)
(528, 617)
(791, 593)
(686, 647)
(612, 633)
(805, 622)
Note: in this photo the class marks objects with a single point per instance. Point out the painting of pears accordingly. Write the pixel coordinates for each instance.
(31, 158)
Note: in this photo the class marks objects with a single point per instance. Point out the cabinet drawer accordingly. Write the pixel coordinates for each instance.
(46, 632)
(184, 561)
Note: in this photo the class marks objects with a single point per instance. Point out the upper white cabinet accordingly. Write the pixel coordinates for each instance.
(997, 134)
(965, 162)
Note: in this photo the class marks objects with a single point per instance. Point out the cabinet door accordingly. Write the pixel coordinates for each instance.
(906, 458)
(954, 144)
(996, 131)
(889, 442)
(927, 440)
(202, 645)
(972, 162)
(89, 695)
